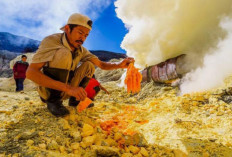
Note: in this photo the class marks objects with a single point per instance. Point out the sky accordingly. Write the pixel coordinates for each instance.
(108, 32)
(39, 18)
(157, 30)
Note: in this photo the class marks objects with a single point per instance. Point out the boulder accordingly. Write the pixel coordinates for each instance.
(87, 130)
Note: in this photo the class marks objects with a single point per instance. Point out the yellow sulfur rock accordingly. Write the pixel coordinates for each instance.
(205, 154)
(48, 140)
(127, 155)
(75, 145)
(195, 103)
(133, 149)
(179, 153)
(87, 130)
(42, 146)
(138, 155)
(38, 120)
(76, 152)
(228, 144)
(16, 155)
(66, 125)
(83, 145)
(186, 95)
(212, 111)
(99, 139)
(199, 98)
(155, 155)
(66, 117)
(144, 152)
(30, 142)
(73, 117)
(62, 149)
(88, 141)
(220, 113)
(111, 142)
(127, 150)
(117, 136)
(53, 145)
(76, 135)
(41, 133)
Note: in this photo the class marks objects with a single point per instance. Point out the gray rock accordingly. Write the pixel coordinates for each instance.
(106, 151)
(27, 135)
(27, 98)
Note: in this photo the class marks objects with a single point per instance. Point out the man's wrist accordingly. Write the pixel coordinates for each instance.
(67, 88)
(119, 65)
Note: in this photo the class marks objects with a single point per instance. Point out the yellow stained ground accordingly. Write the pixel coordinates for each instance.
(198, 124)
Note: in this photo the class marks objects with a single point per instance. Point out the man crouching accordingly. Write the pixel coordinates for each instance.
(55, 69)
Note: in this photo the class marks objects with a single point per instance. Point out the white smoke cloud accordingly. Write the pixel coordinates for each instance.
(162, 29)
(217, 66)
(39, 18)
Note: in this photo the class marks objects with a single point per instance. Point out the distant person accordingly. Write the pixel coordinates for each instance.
(19, 69)
(55, 67)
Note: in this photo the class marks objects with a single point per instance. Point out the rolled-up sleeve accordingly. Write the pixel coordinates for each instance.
(87, 55)
(45, 52)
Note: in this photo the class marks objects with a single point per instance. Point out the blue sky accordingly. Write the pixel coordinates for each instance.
(39, 18)
(108, 32)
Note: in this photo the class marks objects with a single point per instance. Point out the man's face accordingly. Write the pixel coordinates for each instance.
(24, 59)
(78, 35)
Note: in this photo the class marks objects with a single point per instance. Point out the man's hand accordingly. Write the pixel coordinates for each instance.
(16, 73)
(125, 62)
(110, 66)
(34, 73)
(77, 92)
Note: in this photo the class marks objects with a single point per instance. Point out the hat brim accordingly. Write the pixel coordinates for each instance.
(62, 28)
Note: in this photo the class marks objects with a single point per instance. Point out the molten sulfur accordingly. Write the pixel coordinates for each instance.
(133, 79)
(84, 104)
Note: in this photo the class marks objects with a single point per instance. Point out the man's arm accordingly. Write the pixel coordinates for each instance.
(34, 73)
(110, 66)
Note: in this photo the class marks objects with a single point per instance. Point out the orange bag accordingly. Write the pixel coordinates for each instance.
(84, 104)
(133, 79)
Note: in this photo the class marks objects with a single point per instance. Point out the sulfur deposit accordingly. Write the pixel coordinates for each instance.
(153, 123)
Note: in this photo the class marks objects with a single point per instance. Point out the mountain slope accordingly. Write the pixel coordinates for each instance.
(15, 43)
(107, 55)
(12, 45)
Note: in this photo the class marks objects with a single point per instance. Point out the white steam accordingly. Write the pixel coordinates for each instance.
(217, 66)
(39, 18)
(162, 29)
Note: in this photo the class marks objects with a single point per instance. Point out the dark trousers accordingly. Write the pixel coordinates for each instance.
(19, 84)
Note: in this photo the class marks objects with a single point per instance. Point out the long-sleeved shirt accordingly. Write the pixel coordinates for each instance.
(20, 69)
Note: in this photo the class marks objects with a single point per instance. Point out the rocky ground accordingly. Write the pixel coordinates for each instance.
(156, 122)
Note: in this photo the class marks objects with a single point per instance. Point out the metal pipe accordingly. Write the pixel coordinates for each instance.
(162, 72)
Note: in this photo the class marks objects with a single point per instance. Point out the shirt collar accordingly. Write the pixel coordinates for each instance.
(66, 44)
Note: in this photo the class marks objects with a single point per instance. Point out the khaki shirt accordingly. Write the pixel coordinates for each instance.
(55, 51)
